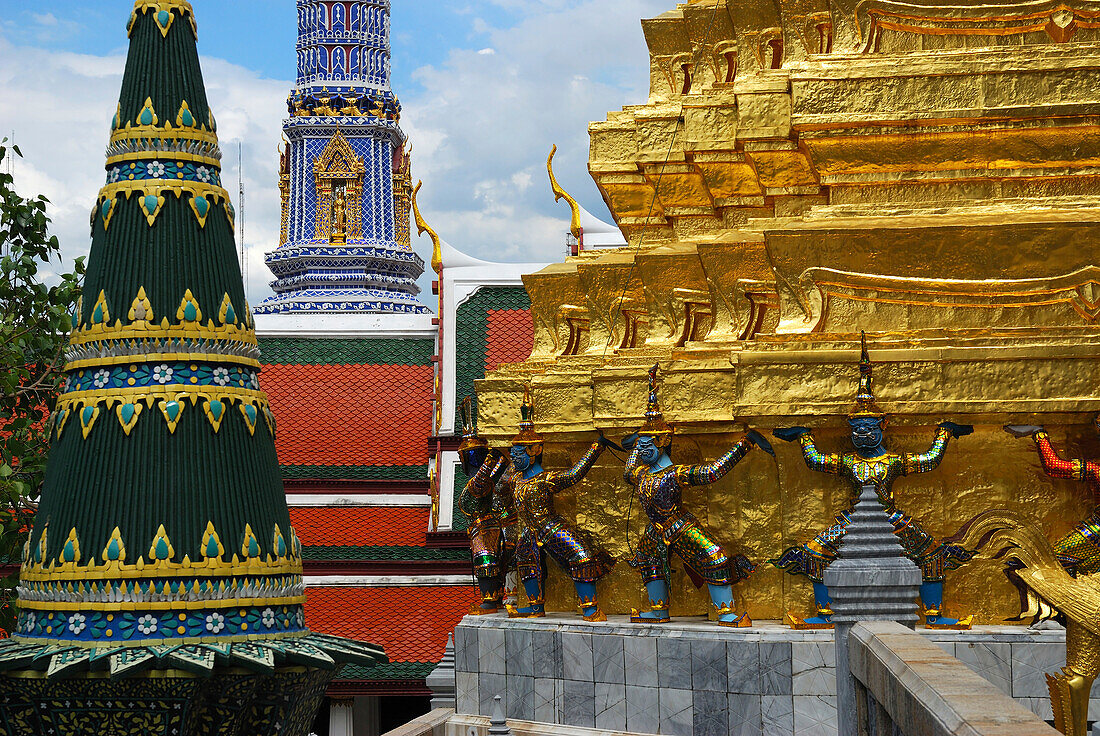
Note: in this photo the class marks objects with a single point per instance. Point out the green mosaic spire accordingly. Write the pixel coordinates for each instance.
(163, 539)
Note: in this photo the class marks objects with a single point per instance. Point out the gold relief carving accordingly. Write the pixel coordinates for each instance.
(990, 153)
(284, 194)
(840, 299)
(945, 202)
(697, 317)
(664, 271)
(611, 286)
(338, 173)
(679, 187)
(741, 284)
(575, 319)
(780, 171)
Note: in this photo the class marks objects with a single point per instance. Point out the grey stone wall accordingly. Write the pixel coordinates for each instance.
(695, 677)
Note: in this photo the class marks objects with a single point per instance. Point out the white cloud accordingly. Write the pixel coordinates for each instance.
(62, 123)
(484, 124)
(487, 52)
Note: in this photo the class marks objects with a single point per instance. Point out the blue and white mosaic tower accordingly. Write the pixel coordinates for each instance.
(344, 176)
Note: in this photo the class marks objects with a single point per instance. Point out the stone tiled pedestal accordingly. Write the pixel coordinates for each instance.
(694, 677)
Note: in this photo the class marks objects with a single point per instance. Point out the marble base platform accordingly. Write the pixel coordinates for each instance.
(694, 677)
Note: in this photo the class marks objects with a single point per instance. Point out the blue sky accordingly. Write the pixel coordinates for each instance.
(487, 87)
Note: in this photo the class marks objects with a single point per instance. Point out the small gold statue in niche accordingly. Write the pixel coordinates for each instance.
(339, 217)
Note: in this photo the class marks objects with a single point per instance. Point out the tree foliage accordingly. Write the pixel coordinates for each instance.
(35, 307)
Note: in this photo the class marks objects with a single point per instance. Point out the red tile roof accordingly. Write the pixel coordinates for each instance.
(350, 414)
(410, 623)
(509, 336)
(359, 526)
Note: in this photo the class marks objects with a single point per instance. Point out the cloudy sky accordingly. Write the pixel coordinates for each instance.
(487, 87)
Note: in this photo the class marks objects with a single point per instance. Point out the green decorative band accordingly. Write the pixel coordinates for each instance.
(371, 351)
(387, 671)
(167, 375)
(354, 472)
(162, 593)
(381, 552)
(151, 198)
(100, 338)
(160, 170)
(147, 626)
(171, 400)
(160, 559)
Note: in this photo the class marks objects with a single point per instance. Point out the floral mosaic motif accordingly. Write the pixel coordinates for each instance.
(178, 170)
(140, 375)
(122, 626)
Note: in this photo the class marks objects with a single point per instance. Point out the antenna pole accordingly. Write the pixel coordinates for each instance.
(240, 216)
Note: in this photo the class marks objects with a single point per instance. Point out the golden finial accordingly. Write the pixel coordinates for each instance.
(423, 227)
(559, 193)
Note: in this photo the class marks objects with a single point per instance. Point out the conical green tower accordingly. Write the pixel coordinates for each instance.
(162, 565)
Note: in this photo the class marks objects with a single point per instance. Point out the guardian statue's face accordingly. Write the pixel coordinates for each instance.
(866, 433)
(648, 452)
(520, 459)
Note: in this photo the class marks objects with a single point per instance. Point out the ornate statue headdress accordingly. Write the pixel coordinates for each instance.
(470, 438)
(655, 424)
(527, 434)
(865, 398)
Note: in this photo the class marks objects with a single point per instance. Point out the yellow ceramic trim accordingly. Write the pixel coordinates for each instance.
(139, 330)
(160, 358)
(256, 566)
(159, 674)
(164, 155)
(150, 394)
(162, 605)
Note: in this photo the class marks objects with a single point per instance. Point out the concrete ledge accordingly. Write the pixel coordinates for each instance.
(927, 692)
(479, 726)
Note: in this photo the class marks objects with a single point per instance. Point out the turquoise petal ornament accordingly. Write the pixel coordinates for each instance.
(146, 117)
(212, 547)
(187, 118)
(172, 409)
(126, 412)
(161, 549)
(252, 413)
(202, 206)
(114, 550)
(216, 408)
(189, 312)
(163, 17)
(149, 203)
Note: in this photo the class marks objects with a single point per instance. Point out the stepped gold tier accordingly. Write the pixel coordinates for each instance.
(929, 174)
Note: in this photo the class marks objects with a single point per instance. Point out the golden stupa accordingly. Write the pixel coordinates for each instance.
(802, 171)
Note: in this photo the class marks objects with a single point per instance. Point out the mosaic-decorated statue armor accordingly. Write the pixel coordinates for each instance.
(492, 520)
(1078, 551)
(672, 529)
(544, 532)
(871, 463)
